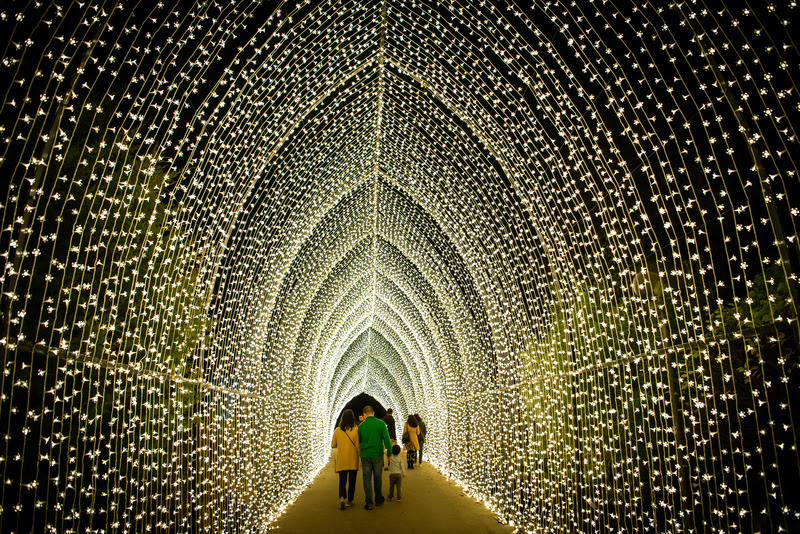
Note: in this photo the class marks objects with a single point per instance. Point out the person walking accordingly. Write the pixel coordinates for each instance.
(422, 432)
(373, 436)
(397, 472)
(345, 441)
(391, 425)
(412, 445)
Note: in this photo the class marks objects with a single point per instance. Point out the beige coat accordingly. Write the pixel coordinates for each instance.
(347, 450)
(412, 445)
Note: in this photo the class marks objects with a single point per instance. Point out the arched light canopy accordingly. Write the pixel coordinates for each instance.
(564, 233)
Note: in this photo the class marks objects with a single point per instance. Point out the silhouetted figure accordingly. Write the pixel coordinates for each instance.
(423, 430)
(391, 425)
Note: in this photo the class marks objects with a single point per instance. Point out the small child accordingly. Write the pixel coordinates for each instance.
(397, 472)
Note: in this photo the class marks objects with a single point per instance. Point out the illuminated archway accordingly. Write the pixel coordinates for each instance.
(564, 233)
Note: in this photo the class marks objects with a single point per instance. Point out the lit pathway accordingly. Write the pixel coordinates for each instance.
(431, 504)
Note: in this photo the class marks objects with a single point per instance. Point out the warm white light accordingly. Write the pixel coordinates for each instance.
(562, 232)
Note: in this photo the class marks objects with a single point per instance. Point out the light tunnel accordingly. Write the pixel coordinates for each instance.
(564, 233)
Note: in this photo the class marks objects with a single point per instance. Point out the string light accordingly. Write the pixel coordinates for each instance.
(564, 233)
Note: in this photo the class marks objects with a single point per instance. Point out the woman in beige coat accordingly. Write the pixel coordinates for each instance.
(345, 441)
(412, 445)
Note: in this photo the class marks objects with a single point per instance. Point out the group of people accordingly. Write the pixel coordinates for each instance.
(413, 436)
(363, 444)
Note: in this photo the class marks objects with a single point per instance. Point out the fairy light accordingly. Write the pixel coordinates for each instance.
(562, 232)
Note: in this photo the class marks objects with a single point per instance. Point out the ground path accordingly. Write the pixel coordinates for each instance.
(431, 504)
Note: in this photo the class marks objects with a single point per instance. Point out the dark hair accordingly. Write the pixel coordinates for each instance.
(412, 421)
(368, 409)
(419, 419)
(396, 449)
(389, 411)
(348, 420)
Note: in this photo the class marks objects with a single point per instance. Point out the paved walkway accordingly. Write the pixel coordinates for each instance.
(431, 504)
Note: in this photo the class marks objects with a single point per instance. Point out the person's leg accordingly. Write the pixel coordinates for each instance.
(399, 486)
(342, 482)
(421, 443)
(410, 458)
(392, 480)
(377, 477)
(351, 488)
(366, 465)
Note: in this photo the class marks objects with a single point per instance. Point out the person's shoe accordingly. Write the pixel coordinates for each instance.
(342, 503)
(399, 499)
(367, 507)
(349, 504)
(378, 503)
(390, 497)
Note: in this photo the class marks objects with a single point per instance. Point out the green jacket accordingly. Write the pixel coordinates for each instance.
(370, 434)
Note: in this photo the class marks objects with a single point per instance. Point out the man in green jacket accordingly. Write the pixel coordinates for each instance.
(371, 432)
